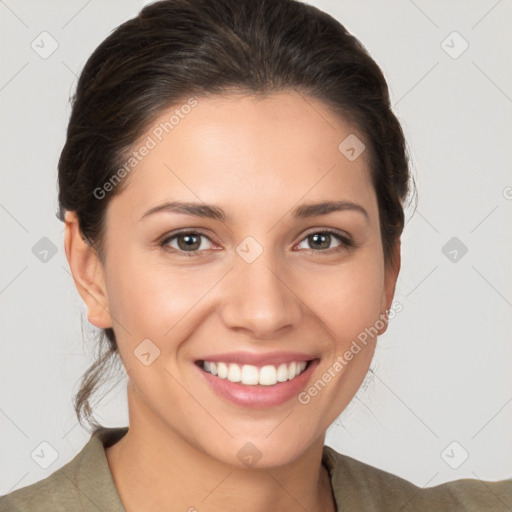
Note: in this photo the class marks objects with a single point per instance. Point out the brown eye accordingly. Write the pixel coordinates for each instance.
(320, 241)
(187, 242)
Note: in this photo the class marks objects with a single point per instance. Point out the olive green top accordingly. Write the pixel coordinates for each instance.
(85, 484)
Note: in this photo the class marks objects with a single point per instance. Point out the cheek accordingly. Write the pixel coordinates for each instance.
(346, 298)
(153, 300)
(347, 302)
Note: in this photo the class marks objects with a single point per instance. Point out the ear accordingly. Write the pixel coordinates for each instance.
(87, 271)
(391, 274)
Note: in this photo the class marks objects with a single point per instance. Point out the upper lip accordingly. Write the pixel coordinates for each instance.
(274, 358)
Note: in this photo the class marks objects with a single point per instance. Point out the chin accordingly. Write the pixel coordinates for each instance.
(258, 452)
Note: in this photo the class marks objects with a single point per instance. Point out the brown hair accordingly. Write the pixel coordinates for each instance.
(175, 49)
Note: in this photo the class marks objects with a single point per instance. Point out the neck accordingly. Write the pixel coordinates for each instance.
(156, 469)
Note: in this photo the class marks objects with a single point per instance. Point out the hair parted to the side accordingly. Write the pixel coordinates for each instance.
(175, 49)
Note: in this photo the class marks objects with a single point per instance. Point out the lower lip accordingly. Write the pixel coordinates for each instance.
(258, 396)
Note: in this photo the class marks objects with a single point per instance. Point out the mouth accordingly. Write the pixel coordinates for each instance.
(250, 375)
(259, 385)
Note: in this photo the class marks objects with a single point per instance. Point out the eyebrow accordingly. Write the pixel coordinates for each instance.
(214, 212)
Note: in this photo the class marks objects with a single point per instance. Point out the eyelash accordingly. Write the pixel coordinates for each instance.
(345, 244)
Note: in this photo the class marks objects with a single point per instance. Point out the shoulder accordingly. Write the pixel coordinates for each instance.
(54, 493)
(359, 486)
(84, 483)
(478, 495)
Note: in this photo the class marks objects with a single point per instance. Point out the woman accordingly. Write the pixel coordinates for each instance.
(232, 187)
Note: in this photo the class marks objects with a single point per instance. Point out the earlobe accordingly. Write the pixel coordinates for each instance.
(87, 272)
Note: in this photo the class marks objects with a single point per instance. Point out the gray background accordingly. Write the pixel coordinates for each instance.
(442, 372)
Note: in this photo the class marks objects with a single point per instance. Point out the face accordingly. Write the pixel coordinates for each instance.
(250, 277)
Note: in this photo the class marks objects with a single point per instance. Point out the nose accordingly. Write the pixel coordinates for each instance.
(260, 299)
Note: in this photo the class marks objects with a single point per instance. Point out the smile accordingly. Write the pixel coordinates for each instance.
(249, 375)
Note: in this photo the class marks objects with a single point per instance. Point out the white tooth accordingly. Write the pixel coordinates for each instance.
(234, 373)
(282, 373)
(222, 370)
(249, 375)
(268, 375)
(292, 370)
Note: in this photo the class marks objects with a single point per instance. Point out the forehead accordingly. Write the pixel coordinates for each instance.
(248, 150)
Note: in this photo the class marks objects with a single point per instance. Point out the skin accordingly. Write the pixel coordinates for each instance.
(257, 159)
